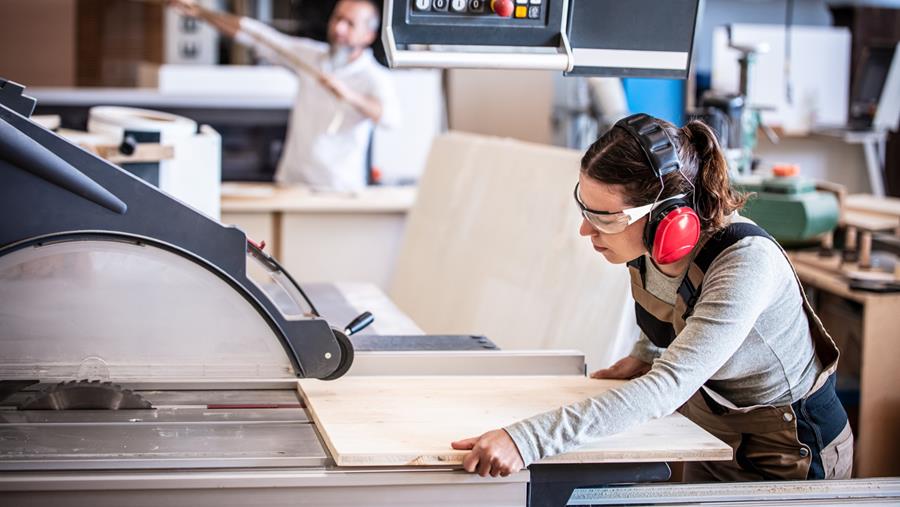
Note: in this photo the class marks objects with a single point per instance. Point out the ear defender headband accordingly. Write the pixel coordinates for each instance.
(673, 228)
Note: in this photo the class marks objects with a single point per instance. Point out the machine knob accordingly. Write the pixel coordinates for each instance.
(128, 145)
(502, 8)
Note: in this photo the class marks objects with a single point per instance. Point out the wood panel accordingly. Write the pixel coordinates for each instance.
(392, 421)
(38, 41)
(113, 38)
(332, 247)
(492, 248)
(501, 102)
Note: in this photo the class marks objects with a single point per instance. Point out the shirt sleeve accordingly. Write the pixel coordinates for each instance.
(735, 292)
(384, 90)
(645, 350)
(271, 45)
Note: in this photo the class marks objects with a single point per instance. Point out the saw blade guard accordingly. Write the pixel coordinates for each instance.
(101, 308)
(104, 276)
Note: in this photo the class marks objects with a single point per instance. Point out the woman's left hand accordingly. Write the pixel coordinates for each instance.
(493, 453)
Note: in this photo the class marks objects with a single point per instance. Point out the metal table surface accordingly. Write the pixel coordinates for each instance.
(188, 429)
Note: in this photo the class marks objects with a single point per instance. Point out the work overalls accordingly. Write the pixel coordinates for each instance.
(807, 439)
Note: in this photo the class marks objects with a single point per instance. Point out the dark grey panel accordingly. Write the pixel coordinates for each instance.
(421, 342)
(645, 25)
(634, 25)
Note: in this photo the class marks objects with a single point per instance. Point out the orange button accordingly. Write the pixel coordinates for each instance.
(786, 170)
(521, 11)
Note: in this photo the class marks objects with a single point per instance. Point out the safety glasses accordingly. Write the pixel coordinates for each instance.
(614, 222)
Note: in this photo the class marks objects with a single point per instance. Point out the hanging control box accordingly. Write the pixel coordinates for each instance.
(641, 38)
(533, 23)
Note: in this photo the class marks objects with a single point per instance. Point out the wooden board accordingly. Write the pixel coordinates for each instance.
(266, 197)
(492, 248)
(884, 206)
(870, 222)
(401, 421)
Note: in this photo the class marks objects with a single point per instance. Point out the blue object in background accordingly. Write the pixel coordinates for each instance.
(663, 98)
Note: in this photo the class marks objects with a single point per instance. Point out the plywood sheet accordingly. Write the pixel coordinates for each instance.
(492, 248)
(393, 421)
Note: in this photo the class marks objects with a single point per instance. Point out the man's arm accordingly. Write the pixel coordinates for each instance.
(365, 104)
(228, 24)
(268, 42)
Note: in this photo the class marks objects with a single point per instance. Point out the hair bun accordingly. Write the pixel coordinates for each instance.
(701, 136)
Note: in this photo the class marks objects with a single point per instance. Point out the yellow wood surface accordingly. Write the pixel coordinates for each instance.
(267, 198)
(870, 222)
(492, 248)
(884, 206)
(394, 421)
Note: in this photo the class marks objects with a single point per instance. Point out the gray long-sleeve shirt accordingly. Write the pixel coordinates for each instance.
(748, 339)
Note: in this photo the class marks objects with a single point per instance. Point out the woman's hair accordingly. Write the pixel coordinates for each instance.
(617, 159)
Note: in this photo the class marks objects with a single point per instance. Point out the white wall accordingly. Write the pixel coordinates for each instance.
(504, 103)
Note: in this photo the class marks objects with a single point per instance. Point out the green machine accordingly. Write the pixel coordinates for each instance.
(789, 207)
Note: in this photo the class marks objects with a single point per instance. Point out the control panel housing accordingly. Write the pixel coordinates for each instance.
(533, 23)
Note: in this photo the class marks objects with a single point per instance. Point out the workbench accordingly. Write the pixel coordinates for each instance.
(874, 320)
(357, 235)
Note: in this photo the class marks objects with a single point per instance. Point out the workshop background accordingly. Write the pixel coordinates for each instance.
(466, 231)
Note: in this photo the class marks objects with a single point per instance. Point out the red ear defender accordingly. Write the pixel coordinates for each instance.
(675, 235)
(673, 228)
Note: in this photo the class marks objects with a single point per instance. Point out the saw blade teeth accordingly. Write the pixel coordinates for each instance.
(86, 394)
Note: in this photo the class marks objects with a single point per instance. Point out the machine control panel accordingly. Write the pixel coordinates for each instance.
(516, 9)
(637, 38)
(529, 23)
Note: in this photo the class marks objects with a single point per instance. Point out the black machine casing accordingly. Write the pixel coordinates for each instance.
(52, 190)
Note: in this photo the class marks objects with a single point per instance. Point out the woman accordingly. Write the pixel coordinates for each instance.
(727, 333)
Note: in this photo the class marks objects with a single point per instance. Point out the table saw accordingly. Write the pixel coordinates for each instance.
(150, 356)
(147, 347)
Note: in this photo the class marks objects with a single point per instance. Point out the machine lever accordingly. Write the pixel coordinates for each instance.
(359, 323)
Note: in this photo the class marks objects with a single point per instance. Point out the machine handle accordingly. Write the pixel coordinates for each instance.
(361, 322)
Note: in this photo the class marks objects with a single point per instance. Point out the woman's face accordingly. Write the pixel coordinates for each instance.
(616, 248)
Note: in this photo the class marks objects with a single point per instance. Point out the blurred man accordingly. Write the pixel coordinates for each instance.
(342, 92)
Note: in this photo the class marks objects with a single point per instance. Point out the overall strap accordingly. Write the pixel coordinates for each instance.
(653, 315)
(660, 321)
(692, 284)
(823, 344)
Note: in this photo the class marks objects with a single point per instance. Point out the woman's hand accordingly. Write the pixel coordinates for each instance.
(493, 453)
(626, 368)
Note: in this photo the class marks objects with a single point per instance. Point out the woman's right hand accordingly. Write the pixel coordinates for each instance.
(626, 368)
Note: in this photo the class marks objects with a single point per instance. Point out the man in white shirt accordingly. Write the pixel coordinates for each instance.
(342, 92)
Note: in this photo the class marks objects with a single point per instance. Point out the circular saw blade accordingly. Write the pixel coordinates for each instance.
(86, 395)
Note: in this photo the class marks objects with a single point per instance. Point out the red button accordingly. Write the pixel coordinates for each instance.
(502, 8)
